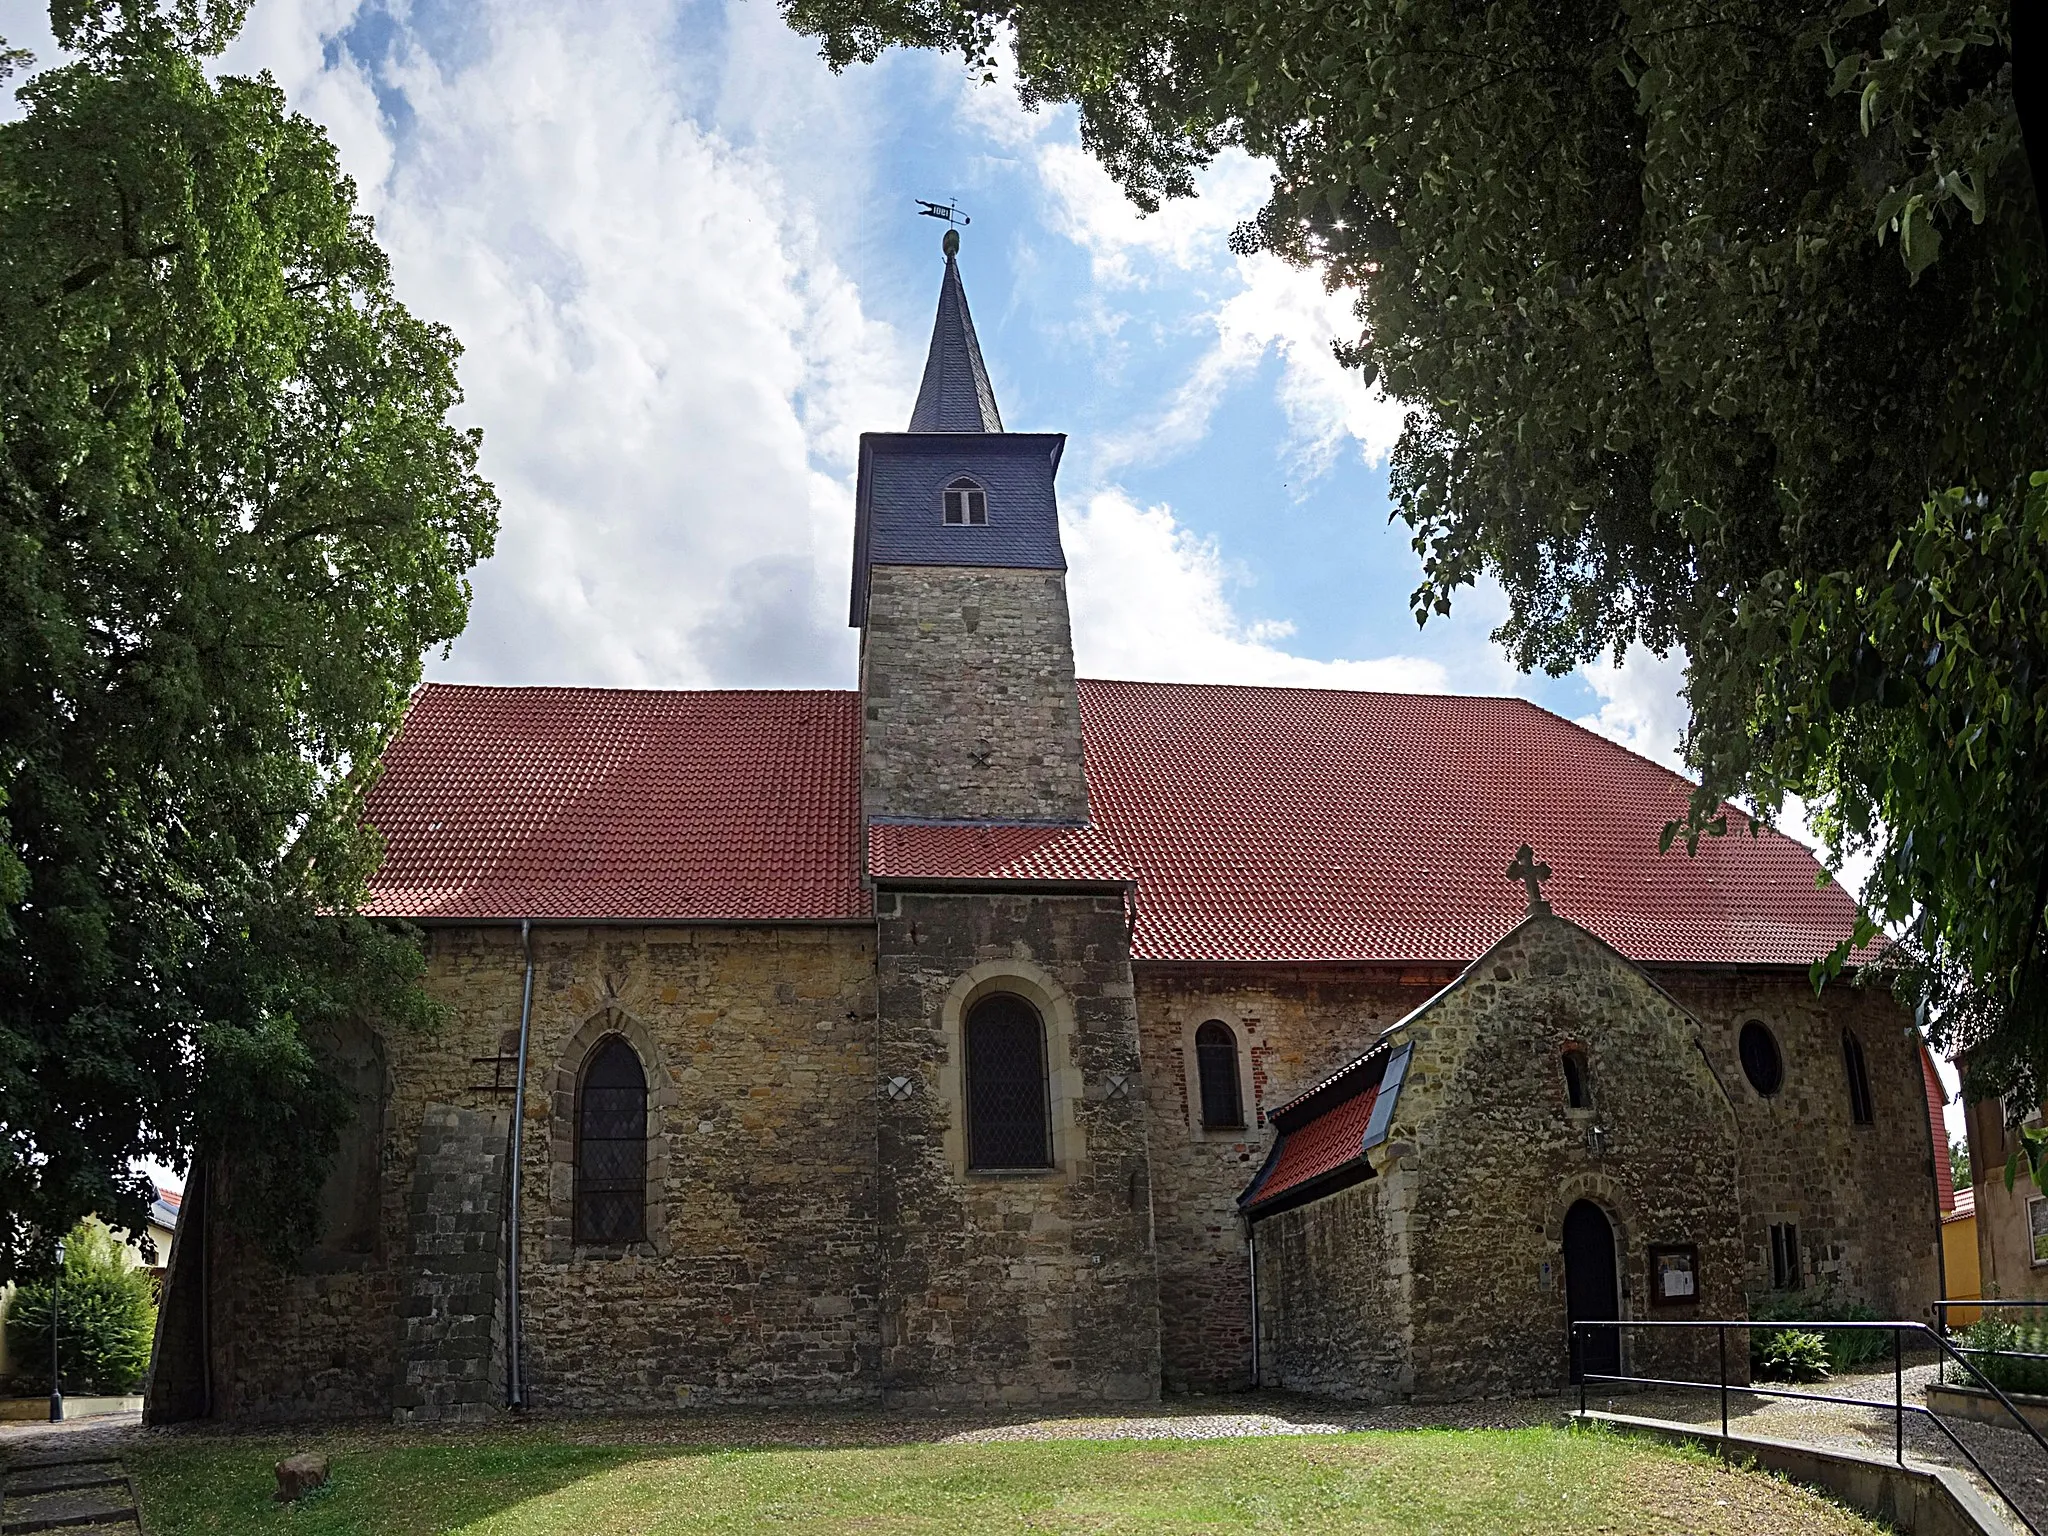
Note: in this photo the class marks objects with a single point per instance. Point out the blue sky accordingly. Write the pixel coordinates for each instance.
(685, 262)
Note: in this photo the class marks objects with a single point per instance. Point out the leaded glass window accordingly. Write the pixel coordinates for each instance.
(1216, 1068)
(1008, 1120)
(611, 1146)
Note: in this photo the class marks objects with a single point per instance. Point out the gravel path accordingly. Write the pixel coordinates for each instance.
(2010, 1455)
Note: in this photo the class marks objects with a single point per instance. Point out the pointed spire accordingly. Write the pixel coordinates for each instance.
(955, 395)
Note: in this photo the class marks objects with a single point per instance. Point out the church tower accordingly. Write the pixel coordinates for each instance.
(960, 594)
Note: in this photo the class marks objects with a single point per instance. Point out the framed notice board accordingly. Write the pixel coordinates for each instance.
(1674, 1275)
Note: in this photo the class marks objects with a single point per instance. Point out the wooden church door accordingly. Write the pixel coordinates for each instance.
(1592, 1290)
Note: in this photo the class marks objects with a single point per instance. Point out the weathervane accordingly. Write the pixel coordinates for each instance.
(1530, 873)
(951, 213)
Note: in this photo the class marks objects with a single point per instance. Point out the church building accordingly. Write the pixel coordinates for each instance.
(985, 1036)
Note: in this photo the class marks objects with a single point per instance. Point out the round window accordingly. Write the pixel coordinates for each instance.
(1761, 1063)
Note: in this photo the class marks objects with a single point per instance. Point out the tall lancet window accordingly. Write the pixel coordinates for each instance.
(1008, 1118)
(611, 1146)
(966, 503)
(1216, 1068)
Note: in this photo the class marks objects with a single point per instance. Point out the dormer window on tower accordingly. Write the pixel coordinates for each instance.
(966, 504)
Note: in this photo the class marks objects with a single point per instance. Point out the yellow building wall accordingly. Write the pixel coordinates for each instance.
(1960, 1269)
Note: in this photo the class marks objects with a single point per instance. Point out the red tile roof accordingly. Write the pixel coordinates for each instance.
(1965, 1206)
(1263, 824)
(1331, 1140)
(1315, 824)
(593, 802)
(984, 851)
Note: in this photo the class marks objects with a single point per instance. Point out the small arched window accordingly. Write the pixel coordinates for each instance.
(966, 503)
(1860, 1108)
(1216, 1068)
(611, 1146)
(1761, 1063)
(1009, 1122)
(1578, 1086)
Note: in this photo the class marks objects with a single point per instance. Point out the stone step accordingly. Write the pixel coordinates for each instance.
(68, 1457)
(56, 1476)
(62, 1509)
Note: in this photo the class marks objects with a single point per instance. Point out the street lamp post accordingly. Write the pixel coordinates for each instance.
(56, 1376)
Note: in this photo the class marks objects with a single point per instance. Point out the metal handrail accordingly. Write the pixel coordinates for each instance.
(1899, 1406)
(1988, 1301)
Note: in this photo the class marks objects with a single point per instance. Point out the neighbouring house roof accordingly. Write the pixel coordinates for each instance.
(1261, 824)
(163, 1211)
(1964, 1208)
(1937, 1127)
(1323, 1135)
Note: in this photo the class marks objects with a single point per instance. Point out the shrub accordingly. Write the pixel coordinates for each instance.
(1794, 1355)
(1848, 1350)
(2006, 1351)
(106, 1319)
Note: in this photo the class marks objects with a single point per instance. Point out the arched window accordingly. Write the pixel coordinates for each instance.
(1761, 1063)
(1008, 1119)
(966, 503)
(1216, 1067)
(611, 1146)
(1578, 1086)
(1860, 1107)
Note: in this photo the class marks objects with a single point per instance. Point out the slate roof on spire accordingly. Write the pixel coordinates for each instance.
(955, 395)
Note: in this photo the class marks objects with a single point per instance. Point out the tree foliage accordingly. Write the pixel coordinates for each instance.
(233, 517)
(106, 1319)
(1722, 325)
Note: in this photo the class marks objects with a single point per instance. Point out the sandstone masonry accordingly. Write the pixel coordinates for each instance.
(967, 683)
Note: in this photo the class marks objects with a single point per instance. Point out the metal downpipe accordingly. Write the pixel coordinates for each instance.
(1251, 1248)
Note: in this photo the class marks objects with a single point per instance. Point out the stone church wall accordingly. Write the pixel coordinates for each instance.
(1013, 1287)
(967, 680)
(1334, 1295)
(1862, 1196)
(757, 1282)
(1294, 1026)
(1498, 1158)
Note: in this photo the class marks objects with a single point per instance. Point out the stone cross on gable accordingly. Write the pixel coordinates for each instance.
(1530, 873)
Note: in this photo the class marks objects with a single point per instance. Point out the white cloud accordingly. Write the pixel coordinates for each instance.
(1283, 309)
(669, 366)
(1150, 600)
(1641, 705)
(1252, 307)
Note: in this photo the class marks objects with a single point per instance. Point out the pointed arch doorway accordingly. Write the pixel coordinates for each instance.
(1592, 1290)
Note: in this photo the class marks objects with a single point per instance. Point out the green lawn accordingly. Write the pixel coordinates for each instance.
(539, 1484)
